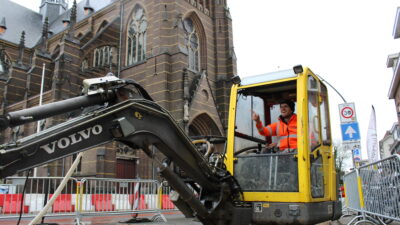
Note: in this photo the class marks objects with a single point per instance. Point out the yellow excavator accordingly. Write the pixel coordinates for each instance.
(248, 182)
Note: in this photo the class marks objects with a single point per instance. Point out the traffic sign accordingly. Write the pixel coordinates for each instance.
(347, 112)
(350, 132)
(357, 154)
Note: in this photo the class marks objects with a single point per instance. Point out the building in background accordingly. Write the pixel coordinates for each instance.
(180, 51)
(392, 136)
(390, 143)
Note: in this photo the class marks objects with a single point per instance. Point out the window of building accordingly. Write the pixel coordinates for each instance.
(396, 133)
(96, 58)
(4, 62)
(103, 56)
(106, 55)
(192, 44)
(137, 37)
(79, 167)
(84, 65)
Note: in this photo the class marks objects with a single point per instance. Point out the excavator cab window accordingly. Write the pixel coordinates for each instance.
(260, 167)
(319, 137)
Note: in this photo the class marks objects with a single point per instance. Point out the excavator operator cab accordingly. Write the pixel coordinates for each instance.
(252, 149)
(294, 168)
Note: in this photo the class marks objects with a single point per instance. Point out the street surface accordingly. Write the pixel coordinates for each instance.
(174, 218)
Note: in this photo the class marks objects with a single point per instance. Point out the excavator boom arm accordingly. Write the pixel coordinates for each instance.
(136, 122)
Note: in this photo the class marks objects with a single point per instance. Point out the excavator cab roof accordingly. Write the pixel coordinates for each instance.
(277, 75)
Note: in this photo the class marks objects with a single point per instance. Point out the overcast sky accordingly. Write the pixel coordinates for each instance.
(344, 41)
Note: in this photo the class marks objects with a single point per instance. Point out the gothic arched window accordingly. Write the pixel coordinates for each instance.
(137, 37)
(103, 56)
(84, 65)
(96, 57)
(106, 55)
(192, 44)
(4, 62)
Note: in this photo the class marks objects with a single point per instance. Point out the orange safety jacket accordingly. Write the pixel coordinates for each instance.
(286, 132)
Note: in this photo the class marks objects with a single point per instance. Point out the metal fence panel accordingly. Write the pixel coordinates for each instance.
(117, 195)
(38, 191)
(351, 189)
(381, 187)
(86, 196)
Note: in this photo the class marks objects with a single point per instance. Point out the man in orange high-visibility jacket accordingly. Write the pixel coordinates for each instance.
(285, 129)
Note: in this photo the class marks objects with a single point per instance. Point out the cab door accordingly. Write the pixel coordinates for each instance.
(319, 139)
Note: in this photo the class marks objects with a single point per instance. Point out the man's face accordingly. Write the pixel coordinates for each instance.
(285, 110)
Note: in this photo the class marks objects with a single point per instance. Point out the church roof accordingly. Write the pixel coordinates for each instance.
(19, 18)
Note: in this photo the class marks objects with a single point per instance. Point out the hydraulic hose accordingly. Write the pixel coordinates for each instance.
(58, 191)
(209, 148)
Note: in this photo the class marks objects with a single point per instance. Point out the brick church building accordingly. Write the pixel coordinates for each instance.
(180, 51)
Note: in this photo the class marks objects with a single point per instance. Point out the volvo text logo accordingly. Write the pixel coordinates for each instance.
(72, 139)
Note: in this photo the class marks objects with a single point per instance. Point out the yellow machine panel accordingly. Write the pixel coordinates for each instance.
(272, 169)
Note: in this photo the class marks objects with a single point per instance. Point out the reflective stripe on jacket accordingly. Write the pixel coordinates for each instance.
(286, 132)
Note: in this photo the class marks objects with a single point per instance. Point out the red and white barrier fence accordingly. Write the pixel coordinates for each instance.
(84, 196)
